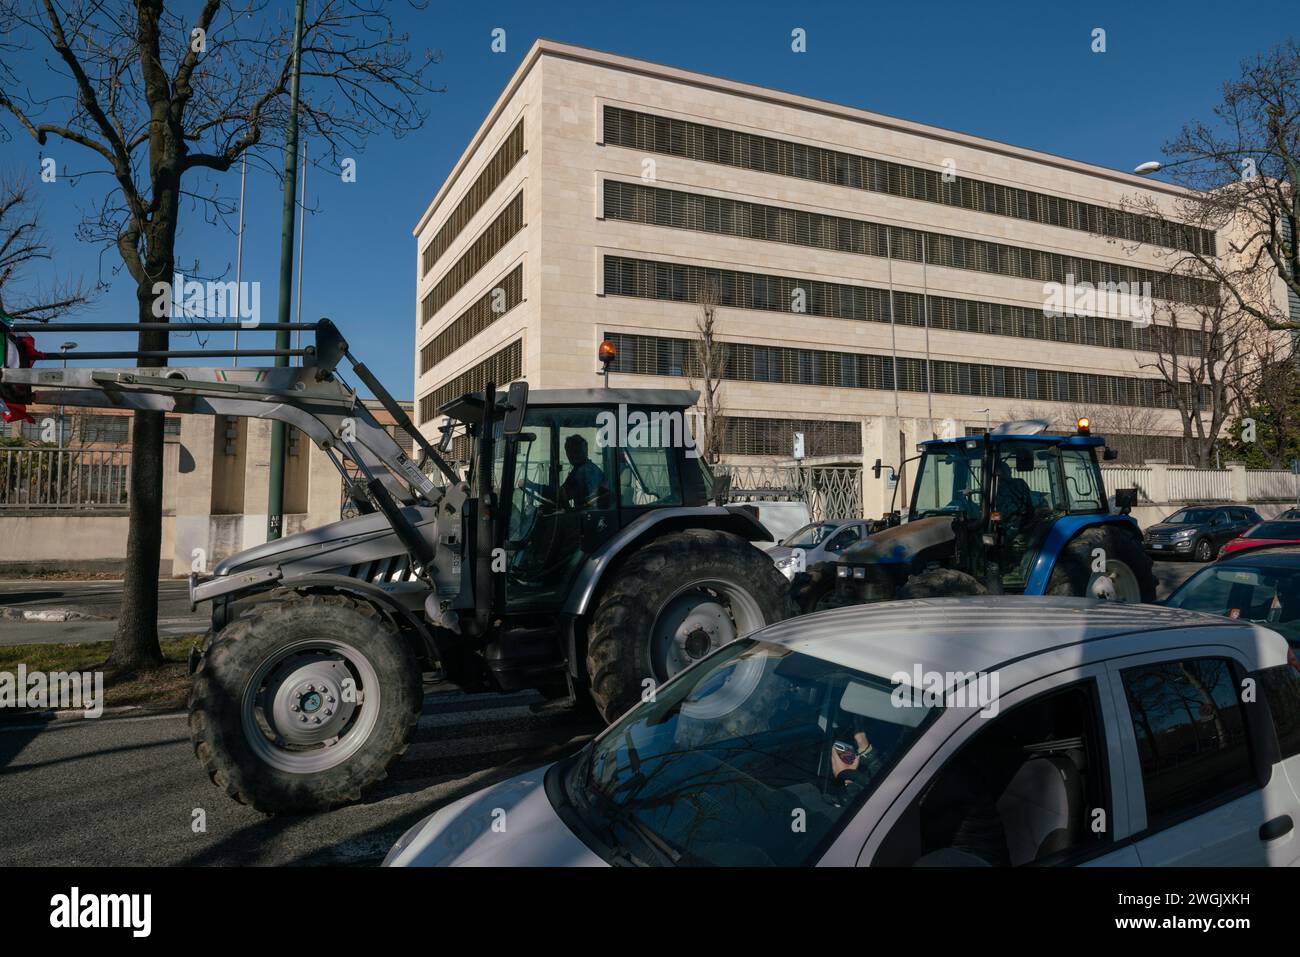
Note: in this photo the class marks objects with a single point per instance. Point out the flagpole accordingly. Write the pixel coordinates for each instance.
(302, 238)
(239, 248)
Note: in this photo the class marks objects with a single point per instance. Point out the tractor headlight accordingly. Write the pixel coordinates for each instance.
(842, 571)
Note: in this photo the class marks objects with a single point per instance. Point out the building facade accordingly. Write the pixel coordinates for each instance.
(874, 281)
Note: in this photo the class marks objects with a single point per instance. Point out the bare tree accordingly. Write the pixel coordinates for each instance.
(1206, 368)
(24, 246)
(1129, 429)
(1242, 171)
(160, 100)
(709, 360)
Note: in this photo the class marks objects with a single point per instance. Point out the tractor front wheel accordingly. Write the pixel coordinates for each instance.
(302, 704)
(1104, 562)
(673, 602)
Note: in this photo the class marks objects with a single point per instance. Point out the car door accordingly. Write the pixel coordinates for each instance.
(1203, 791)
(989, 774)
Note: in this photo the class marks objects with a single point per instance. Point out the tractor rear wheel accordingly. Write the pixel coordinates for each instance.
(674, 601)
(302, 704)
(1104, 562)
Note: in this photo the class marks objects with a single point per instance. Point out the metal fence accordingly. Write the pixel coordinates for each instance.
(829, 491)
(1200, 485)
(32, 478)
(1128, 476)
(1272, 485)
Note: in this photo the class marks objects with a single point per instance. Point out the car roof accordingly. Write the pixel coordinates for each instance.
(976, 633)
(1288, 555)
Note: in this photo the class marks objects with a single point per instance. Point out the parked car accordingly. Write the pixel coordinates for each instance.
(988, 730)
(1290, 515)
(819, 542)
(1262, 536)
(1261, 586)
(1198, 531)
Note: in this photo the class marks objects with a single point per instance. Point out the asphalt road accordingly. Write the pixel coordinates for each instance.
(124, 791)
(98, 598)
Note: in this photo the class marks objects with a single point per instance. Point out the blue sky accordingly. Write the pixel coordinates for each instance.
(1021, 72)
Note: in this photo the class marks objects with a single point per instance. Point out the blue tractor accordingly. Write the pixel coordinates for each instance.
(1014, 511)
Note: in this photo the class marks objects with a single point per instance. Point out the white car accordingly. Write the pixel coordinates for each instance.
(980, 731)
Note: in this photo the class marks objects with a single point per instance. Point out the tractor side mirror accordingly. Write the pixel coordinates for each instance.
(1024, 461)
(516, 406)
(1109, 455)
(1125, 500)
(444, 443)
(875, 469)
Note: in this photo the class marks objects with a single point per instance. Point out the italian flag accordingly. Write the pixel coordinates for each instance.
(17, 351)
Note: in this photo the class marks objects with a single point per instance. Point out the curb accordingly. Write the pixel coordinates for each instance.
(54, 615)
(48, 716)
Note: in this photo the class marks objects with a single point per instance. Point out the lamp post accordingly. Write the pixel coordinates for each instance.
(64, 349)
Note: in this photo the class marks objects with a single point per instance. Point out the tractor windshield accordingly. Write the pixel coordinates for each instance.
(948, 480)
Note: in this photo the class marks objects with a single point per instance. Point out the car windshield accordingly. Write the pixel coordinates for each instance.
(1264, 594)
(947, 477)
(1190, 516)
(1280, 530)
(810, 536)
(753, 757)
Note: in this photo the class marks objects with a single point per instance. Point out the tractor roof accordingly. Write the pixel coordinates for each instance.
(1073, 441)
(469, 407)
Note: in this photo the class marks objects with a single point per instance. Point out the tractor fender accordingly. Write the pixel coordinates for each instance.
(1062, 533)
(404, 619)
(738, 521)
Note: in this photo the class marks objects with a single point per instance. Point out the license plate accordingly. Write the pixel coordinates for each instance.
(1157, 546)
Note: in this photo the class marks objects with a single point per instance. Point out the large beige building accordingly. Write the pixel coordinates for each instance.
(605, 196)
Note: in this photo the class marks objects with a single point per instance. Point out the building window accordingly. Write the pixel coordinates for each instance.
(655, 206)
(657, 134)
(661, 355)
(502, 162)
(501, 367)
(508, 222)
(487, 309)
(647, 279)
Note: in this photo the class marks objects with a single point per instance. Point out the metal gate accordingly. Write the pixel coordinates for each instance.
(830, 492)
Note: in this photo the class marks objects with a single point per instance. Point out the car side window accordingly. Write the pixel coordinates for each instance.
(1024, 789)
(1281, 686)
(844, 539)
(1191, 735)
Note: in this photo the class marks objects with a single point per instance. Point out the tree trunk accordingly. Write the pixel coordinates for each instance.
(135, 643)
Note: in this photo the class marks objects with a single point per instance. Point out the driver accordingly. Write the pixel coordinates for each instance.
(584, 483)
(853, 765)
(1014, 501)
(585, 480)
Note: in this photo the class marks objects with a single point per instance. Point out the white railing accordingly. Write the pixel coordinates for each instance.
(1200, 485)
(1272, 485)
(1128, 476)
(34, 478)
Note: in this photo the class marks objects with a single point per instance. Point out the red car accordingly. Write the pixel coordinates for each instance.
(1265, 533)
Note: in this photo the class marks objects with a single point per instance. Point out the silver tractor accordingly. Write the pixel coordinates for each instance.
(584, 553)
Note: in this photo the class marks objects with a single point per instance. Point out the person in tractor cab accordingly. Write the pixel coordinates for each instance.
(1014, 501)
(585, 484)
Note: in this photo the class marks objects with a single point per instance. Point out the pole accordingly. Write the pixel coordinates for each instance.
(925, 300)
(275, 498)
(302, 239)
(239, 246)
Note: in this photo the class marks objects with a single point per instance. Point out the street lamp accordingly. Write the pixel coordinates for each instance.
(1150, 166)
(988, 419)
(64, 349)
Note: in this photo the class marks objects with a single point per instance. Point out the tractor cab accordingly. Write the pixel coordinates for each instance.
(1004, 492)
